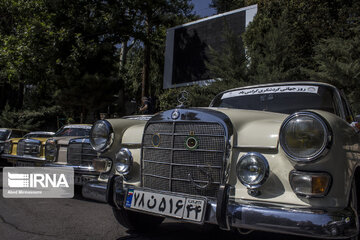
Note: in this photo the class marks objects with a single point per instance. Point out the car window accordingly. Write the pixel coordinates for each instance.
(4, 133)
(17, 134)
(73, 132)
(281, 99)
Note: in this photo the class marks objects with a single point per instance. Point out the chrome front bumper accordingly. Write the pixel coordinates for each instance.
(83, 174)
(227, 213)
(78, 169)
(22, 158)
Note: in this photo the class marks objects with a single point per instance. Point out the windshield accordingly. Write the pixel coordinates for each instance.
(4, 134)
(282, 99)
(73, 132)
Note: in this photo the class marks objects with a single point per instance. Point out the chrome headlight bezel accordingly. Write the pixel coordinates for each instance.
(261, 161)
(123, 159)
(324, 146)
(51, 154)
(7, 147)
(108, 140)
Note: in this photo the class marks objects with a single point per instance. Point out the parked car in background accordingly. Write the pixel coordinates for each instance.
(70, 148)
(7, 133)
(28, 150)
(56, 147)
(277, 157)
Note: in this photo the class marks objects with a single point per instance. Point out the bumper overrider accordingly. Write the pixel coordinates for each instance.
(225, 212)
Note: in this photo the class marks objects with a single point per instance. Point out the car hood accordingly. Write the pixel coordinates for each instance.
(254, 129)
(249, 128)
(15, 140)
(42, 140)
(65, 140)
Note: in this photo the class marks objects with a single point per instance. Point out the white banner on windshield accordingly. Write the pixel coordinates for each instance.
(267, 90)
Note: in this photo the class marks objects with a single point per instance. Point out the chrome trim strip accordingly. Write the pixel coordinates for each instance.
(183, 149)
(79, 169)
(182, 164)
(184, 134)
(23, 157)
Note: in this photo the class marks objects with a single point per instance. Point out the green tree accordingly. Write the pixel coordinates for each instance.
(338, 63)
(228, 66)
(152, 18)
(280, 41)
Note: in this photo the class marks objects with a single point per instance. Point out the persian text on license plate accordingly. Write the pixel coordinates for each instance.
(174, 206)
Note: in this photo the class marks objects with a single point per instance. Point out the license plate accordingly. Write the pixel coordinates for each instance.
(24, 164)
(80, 180)
(187, 208)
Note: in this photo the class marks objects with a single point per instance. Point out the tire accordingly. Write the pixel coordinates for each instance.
(354, 202)
(137, 221)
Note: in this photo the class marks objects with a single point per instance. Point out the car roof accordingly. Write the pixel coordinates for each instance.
(42, 132)
(86, 126)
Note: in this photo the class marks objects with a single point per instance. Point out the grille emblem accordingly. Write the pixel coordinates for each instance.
(175, 115)
(191, 142)
(156, 140)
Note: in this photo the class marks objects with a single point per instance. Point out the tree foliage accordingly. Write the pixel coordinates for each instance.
(62, 57)
(65, 53)
(338, 63)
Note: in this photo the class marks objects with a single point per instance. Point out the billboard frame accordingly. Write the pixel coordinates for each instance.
(169, 48)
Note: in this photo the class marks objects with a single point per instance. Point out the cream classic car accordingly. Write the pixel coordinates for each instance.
(70, 147)
(280, 157)
(56, 147)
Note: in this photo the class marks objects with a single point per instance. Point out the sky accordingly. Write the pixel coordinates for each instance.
(201, 8)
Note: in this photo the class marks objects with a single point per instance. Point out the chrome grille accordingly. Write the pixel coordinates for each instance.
(80, 154)
(28, 147)
(172, 167)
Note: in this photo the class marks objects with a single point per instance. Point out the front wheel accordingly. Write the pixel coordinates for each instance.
(136, 221)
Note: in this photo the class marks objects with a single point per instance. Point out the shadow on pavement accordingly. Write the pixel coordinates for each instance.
(181, 231)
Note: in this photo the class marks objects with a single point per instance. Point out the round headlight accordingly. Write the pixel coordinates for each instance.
(304, 136)
(101, 136)
(252, 170)
(123, 161)
(7, 147)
